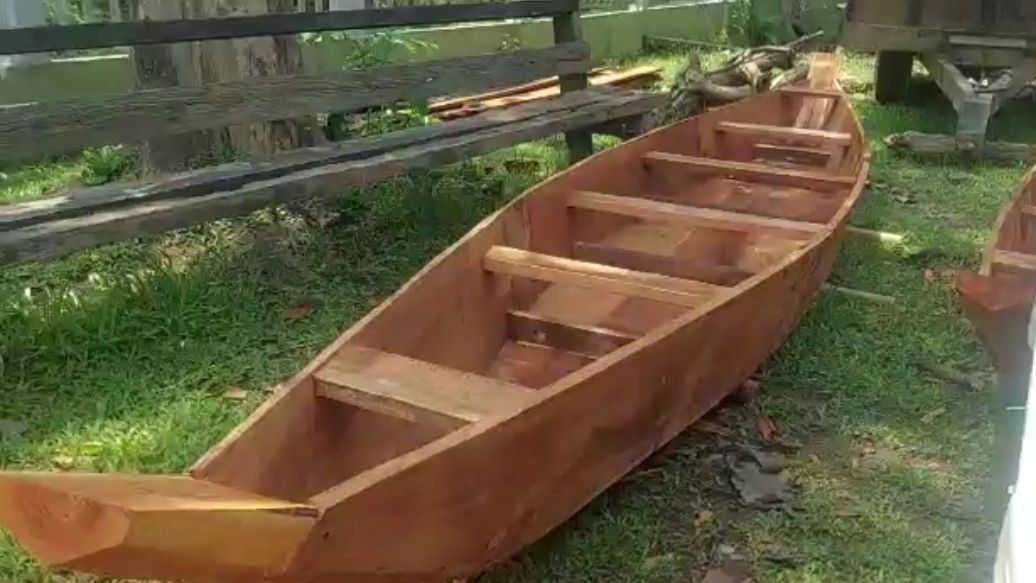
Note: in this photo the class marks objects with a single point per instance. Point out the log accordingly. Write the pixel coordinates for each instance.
(746, 74)
(938, 145)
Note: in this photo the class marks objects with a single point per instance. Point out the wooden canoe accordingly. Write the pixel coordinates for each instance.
(516, 376)
(998, 299)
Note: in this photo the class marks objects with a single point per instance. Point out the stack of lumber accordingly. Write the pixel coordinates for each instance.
(468, 105)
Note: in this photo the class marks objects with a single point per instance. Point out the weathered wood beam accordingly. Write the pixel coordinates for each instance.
(38, 39)
(53, 238)
(235, 175)
(32, 130)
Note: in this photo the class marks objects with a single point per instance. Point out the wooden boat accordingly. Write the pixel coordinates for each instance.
(998, 299)
(516, 376)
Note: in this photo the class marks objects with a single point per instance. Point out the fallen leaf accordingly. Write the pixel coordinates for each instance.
(702, 517)
(765, 427)
(931, 415)
(63, 462)
(929, 275)
(297, 311)
(235, 393)
(814, 458)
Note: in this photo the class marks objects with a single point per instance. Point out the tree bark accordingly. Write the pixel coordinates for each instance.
(204, 62)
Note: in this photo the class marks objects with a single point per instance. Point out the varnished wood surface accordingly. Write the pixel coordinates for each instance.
(998, 299)
(523, 370)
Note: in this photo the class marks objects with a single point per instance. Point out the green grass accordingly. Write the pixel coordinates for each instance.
(118, 359)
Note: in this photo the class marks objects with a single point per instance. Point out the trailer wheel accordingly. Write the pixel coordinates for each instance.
(892, 76)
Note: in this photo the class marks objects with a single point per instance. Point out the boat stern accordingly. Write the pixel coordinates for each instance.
(151, 527)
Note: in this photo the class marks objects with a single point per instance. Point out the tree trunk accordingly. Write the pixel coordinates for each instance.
(199, 63)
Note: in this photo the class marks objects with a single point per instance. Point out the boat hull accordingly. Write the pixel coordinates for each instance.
(493, 490)
(998, 299)
(518, 375)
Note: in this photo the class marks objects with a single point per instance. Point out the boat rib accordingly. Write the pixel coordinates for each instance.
(512, 379)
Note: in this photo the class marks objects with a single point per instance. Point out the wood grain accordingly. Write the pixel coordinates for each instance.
(598, 277)
(35, 129)
(590, 340)
(38, 39)
(415, 390)
(747, 171)
(654, 210)
(792, 134)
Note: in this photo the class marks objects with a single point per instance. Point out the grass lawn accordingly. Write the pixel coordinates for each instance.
(123, 358)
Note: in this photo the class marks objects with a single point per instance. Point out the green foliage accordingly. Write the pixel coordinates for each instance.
(364, 50)
(105, 164)
(368, 50)
(748, 24)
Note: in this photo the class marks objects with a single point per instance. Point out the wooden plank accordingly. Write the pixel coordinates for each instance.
(793, 154)
(32, 130)
(751, 172)
(803, 91)
(54, 238)
(1028, 210)
(785, 133)
(415, 390)
(38, 39)
(238, 174)
(590, 340)
(671, 265)
(595, 276)
(654, 210)
(1023, 261)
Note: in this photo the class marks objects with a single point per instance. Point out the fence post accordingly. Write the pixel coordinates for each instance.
(567, 29)
(19, 13)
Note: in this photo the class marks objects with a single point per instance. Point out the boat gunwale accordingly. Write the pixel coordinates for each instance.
(1011, 207)
(368, 478)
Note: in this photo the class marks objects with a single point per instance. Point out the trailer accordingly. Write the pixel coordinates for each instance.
(981, 53)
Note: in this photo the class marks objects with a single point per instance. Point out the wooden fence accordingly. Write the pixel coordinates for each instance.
(53, 226)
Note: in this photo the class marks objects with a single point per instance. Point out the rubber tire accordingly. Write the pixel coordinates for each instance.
(892, 73)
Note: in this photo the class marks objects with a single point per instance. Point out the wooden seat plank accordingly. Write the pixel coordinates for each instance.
(684, 215)
(605, 278)
(590, 340)
(1023, 261)
(415, 390)
(785, 133)
(748, 171)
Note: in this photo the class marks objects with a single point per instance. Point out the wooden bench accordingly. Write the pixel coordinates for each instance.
(78, 219)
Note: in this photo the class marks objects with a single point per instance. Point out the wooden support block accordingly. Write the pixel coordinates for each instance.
(415, 390)
(590, 340)
(752, 172)
(595, 276)
(666, 212)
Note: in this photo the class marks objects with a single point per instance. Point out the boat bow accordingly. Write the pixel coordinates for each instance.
(162, 527)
